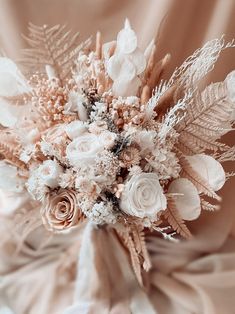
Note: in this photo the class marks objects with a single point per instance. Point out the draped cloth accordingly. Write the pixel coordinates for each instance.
(88, 271)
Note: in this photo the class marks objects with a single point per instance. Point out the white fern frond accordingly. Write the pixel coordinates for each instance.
(174, 116)
(54, 47)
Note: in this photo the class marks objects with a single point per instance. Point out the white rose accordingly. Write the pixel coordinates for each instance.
(9, 179)
(75, 129)
(143, 196)
(49, 173)
(83, 150)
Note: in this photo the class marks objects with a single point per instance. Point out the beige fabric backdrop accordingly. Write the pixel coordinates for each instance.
(188, 24)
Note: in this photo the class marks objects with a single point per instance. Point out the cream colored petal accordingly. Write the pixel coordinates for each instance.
(188, 204)
(126, 39)
(12, 82)
(209, 169)
(120, 67)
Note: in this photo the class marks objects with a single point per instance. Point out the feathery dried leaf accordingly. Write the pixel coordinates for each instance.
(129, 243)
(55, 47)
(200, 63)
(206, 120)
(229, 155)
(189, 173)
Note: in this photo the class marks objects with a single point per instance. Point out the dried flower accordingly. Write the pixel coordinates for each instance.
(129, 157)
(102, 213)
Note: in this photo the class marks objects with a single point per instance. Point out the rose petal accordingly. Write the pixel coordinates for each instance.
(138, 59)
(126, 88)
(126, 39)
(12, 82)
(209, 169)
(187, 204)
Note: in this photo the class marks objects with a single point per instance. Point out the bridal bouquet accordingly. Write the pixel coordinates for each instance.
(96, 134)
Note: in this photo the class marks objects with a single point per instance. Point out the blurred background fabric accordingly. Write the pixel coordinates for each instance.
(185, 25)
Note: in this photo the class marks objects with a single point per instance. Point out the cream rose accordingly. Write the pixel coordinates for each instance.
(49, 173)
(83, 150)
(60, 211)
(143, 196)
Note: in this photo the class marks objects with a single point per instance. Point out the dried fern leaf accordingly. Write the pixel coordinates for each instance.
(189, 173)
(173, 217)
(200, 63)
(206, 120)
(55, 47)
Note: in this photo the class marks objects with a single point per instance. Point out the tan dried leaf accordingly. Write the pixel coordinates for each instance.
(177, 223)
